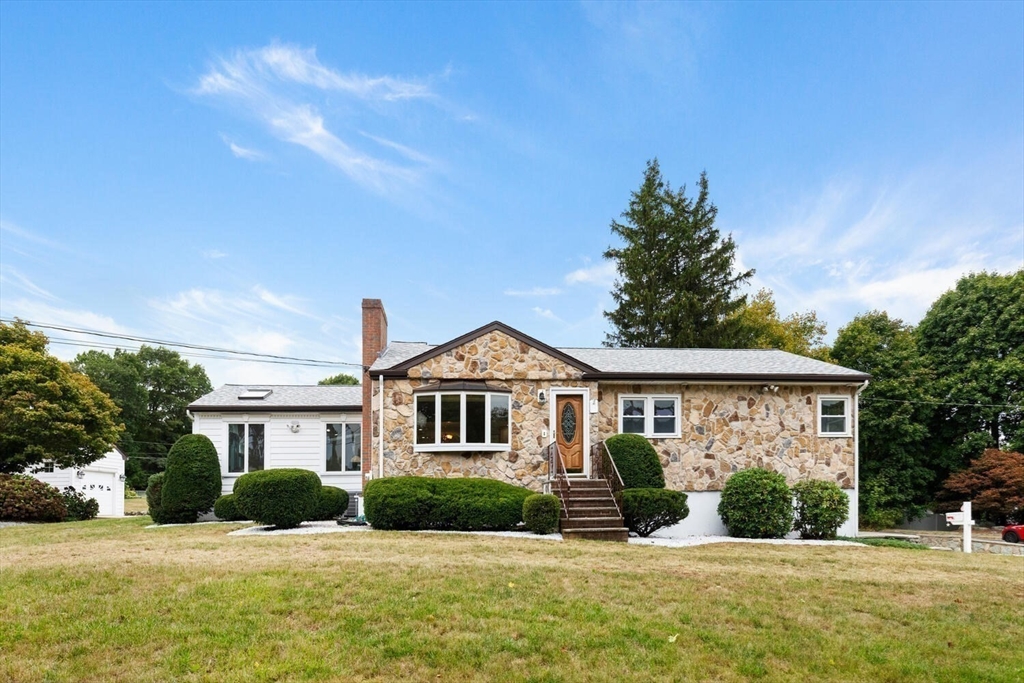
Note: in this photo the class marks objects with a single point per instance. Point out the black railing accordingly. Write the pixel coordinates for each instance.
(560, 484)
(603, 467)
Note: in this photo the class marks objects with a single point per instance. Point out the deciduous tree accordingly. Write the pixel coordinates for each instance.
(760, 327)
(341, 379)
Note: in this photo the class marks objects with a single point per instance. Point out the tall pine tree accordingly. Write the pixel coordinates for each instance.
(676, 285)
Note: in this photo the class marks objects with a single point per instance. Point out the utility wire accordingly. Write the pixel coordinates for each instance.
(190, 354)
(942, 403)
(164, 342)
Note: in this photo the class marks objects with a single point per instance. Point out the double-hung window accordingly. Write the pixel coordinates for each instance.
(462, 420)
(833, 416)
(246, 446)
(344, 446)
(652, 416)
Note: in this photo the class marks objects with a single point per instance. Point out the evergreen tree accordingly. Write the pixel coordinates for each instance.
(676, 285)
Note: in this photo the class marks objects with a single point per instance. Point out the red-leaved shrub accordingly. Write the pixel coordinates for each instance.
(24, 499)
(994, 483)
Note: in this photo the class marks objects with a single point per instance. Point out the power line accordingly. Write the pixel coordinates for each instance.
(184, 345)
(189, 354)
(942, 403)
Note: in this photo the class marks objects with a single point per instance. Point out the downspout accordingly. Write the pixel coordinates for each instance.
(856, 456)
(380, 430)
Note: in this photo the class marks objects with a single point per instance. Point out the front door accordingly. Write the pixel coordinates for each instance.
(569, 430)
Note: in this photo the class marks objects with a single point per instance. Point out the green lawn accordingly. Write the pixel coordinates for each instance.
(108, 600)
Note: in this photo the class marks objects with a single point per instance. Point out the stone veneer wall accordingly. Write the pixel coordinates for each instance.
(502, 361)
(728, 428)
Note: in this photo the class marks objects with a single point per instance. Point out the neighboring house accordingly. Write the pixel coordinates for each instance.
(497, 403)
(257, 427)
(102, 480)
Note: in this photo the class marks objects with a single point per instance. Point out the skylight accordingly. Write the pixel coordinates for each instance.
(254, 394)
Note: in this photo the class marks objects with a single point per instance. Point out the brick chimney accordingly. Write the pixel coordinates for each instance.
(375, 340)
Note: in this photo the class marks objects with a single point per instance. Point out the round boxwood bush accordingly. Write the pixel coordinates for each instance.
(647, 510)
(191, 480)
(637, 461)
(332, 503)
(283, 498)
(468, 504)
(821, 508)
(226, 509)
(756, 503)
(80, 508)
(26, 499)
(154, 498)
(541, 512)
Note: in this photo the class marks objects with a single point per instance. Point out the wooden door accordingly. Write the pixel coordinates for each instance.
(569, 431)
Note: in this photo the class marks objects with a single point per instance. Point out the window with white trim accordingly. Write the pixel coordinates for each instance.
(833, 416)
(462, 421)
(246, 447)
(344, 445)
(651, 415)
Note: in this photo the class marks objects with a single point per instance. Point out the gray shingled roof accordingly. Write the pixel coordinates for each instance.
(282, 397)
(753, 363)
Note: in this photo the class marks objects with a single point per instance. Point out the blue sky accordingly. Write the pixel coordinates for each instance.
(242, 176)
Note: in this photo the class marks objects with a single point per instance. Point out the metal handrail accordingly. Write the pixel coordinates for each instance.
(609, 471)
(558, 474)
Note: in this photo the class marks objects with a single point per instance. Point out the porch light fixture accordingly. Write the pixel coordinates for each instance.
(121, 478)
(542, 396)
(295, 427)
(80, 474)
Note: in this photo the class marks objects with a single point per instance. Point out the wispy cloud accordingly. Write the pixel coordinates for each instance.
(546, 313)
(213, 254)
(15, 278)
(276, 84)
(534, 292)
(601, 274)
(29, 236)
(243, 152)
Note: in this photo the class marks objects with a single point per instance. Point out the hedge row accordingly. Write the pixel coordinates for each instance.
(757, 503)
(413, 503)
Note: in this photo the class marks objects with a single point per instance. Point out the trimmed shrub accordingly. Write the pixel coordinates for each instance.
(637, 461)
(226, 509)
(412, 503)
(26, 499)
(647, 510)
(129, 492)
(821, 508)
(756, 503)
(154, 495)
(331, 505)
(541, 513)
(80, 508)
(191, 480)
(283, 498)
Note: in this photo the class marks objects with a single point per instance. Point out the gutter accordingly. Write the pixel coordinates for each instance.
(856, 456)
(380, 430)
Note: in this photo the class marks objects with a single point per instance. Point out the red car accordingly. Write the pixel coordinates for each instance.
(1013, 533)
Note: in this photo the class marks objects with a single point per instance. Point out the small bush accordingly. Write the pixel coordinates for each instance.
(453, 504)
(129, 492)
(637, 461)
(821, 508)
(332, 503)
(891, 543)
(879, 503)
(154, 497)
(191, 480)
(225, 509)
(283, 498)
(647, 510)
(80, 508)
(26, 499)
(541, 513)
(756, 503)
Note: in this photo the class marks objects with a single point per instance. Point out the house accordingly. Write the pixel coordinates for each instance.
(257, 427)
(498, 403)
(102, 480)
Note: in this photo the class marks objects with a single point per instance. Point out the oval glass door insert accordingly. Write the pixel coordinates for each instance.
(568, 423)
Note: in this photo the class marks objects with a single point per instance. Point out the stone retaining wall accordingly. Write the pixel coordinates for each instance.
(985, 545)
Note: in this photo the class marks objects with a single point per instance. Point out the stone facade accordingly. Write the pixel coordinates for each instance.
(503, 362)
(724, 428)
(728, 428)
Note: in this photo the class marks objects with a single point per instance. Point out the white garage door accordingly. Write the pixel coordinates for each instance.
(101, 486)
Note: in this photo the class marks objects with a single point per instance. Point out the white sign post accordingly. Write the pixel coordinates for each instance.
(963, 517)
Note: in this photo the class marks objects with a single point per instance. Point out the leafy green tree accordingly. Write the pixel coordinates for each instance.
(48, 412)
(896, 461)
(677, 286)
(153, 387)
(760, 327)
(341, 379)
(973, 338)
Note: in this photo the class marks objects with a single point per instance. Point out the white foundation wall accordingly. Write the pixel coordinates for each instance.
(305, 448)
(703, 519)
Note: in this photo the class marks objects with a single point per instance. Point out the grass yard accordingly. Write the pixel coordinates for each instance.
(108, 600)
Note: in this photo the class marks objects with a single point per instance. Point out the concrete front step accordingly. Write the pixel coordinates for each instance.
(581, 484)
(603, 511)
(590, 502)
(590, 522)
(619, 534)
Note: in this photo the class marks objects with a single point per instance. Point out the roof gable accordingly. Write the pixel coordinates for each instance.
(401, 369)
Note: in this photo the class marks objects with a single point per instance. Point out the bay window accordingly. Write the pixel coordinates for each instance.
(462, 420)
